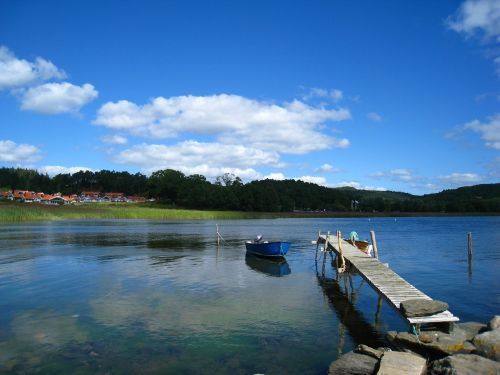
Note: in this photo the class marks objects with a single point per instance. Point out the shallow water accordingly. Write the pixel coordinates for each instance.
(160, 297)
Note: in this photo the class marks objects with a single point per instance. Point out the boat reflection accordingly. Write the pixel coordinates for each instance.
(270, 266)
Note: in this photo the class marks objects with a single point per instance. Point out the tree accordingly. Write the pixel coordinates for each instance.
(166, 185)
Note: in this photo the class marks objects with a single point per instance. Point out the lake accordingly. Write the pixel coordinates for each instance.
(140, 296)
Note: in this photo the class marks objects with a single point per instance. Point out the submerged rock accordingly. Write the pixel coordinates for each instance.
(464, 364)
(422, 307)
(402, 363)
(488, 344)
(353, 364)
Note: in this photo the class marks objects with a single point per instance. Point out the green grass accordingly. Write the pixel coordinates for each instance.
(19, 212)
(11, 212)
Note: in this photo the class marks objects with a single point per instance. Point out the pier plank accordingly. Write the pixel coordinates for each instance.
(384, 280)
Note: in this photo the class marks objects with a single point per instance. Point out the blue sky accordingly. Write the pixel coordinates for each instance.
(396, 95)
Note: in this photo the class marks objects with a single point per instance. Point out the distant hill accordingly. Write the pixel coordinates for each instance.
(478, 198)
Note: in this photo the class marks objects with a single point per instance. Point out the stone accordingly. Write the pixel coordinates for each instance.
(488, 344)
(365, 349)
(464, 364)
(471, 329)
(426, 338)
(469, 347)
(494, 323)
(393, 363)
(391, 335)
(442, 343)
(353, 364)
(422, 307)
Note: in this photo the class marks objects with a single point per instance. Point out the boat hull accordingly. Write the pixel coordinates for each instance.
(364, 246)
(267, 249)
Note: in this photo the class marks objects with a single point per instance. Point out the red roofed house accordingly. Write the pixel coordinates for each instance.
(90, 195)
(114, 197)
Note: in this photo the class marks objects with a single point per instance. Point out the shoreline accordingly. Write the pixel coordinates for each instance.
(469, 348)
(11, 212)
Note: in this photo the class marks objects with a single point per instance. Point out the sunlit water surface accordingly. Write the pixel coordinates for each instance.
(99, 297)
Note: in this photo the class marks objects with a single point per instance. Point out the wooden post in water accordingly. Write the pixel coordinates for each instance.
(469, 243)
(341, 256)
(218, 234)
(374, 244)
(325, 253)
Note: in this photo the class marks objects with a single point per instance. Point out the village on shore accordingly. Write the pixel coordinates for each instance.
(26, 196)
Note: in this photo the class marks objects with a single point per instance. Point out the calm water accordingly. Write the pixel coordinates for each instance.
(159, 297)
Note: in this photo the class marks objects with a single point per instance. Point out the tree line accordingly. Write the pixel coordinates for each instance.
(228, 192)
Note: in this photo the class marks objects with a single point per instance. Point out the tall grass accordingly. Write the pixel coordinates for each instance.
(19, 212)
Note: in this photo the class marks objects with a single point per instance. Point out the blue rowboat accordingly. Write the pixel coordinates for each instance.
(267, 249)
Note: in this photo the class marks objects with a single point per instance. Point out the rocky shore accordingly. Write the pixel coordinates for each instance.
(470, 348)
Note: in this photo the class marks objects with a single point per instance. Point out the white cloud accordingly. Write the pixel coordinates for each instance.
(52, 98)
(333, 94)
(359, 186)
(192, 157)
(490, 132)
(293, 128)
(16, 72)
(461, 178)
(327, 168)
(114, 139)
(397, 175)
(477, 16)
(374, 116)
(12, 152)
(53, 170)
(313, 179)
(275, 176)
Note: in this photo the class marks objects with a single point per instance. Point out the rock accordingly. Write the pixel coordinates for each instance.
(422, 307)
(469, 348)
(471, 329)
(353, 364)
(426, 338)
(393, 363)
(464, 364)
(442, 343)
(391, 335)
(488, 344)
(494, 323)
(365, 349)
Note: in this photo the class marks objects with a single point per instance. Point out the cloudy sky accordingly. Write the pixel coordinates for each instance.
(397, 95)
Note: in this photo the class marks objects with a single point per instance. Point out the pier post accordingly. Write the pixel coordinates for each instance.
(374, 244)
(325, 252)
(469, 243)
(341, 266)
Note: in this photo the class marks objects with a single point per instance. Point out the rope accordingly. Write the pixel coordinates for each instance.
(224, 241)
(415, 333)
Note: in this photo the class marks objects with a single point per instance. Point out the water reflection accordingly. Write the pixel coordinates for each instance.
(269, 266)
(176, 242)
(95, 239)
(164, 260)
(350, 317)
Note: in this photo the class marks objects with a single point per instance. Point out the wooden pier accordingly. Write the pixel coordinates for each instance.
(392, 287)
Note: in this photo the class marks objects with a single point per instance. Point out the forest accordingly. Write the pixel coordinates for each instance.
(172, 188)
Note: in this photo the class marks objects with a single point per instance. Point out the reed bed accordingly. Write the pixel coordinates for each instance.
(20, 212)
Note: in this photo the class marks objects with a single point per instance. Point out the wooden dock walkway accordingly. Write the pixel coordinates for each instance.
(392, 287)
